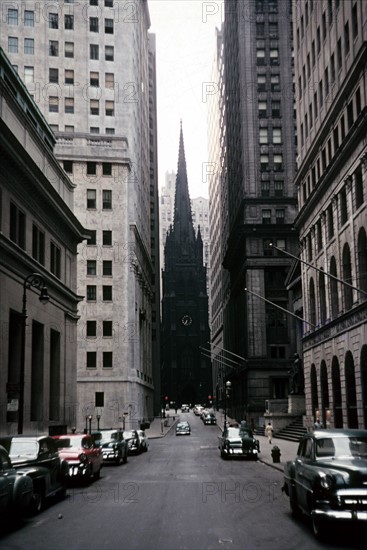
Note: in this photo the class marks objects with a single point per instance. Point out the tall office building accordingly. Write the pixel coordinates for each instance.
(330, 71)
(87, 66)
(260, 199)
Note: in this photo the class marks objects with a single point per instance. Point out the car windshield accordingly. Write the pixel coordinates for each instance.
(129, 434)
(107, 436)
(23, 448)
(350, 447)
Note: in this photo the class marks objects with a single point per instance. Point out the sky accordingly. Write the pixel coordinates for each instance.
(185, 37)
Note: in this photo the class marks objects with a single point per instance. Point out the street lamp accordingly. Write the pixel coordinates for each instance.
(33, 280)
(98, 419)
(227, 394)
(90, 423)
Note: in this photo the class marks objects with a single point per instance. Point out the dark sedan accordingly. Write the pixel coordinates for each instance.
(113, 445)
(16, 489)
(183, 428)
(133, 442)
(238, 442)
(328, 478)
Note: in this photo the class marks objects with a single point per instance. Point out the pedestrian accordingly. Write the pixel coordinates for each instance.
(269, 432)
(318, 424)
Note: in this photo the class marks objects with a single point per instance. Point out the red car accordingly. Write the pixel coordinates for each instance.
(82, 455)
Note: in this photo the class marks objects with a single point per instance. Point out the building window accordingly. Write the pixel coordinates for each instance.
(53, 76)
(99, 399)
(53, 48)
(319, 236)
(343, 207)
(354, 21)
(107, 268)
(69, 105)
(260, 56)
(94, 130)
(55, 260)
(91, 168)
(278, 162)
(69, 22)
(91, 293)
(12, 17)
(93, 2)
(53, 20)
(107, 329)
(68, 166)
(92, 268)
(275, 83)
(91, 199)
(91, 359)
(110, 131)
(29, 46)
(279, 188)
(339, 53)
(69, 49)
(107, 238)
(93, 237)
(69, 76)
(28, 75)
(265, 188)
(275, 109)
(108, 26)
(38, 245)
(28, 18)
(262, 109)
(330, 222)
(264, 163)
(277, 135)
(107, 293)
(358, 187)
(94, 79)
(91, 329)
(106, 200)
(94, 51)
(109, 80)
(280, 216)
(318, 40)
(266, 217)
(12, 44)
(263, 136)
(107, 360)
(107, 168)
(110, 108)
(94, 107)
(53, 104)
(109, 53)
(274, 56)
(346, 39)
(93, 24)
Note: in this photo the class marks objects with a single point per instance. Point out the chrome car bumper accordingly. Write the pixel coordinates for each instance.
(347, 504)
(78, 469)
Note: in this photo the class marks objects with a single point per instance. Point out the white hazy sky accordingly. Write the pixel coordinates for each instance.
(185, 37)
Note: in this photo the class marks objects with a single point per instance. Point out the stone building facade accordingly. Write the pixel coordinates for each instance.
(330, 75)
(39, 235)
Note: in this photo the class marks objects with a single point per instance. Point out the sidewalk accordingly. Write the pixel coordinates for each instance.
(288, 449)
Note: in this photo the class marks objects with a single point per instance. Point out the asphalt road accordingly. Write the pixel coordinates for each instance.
(179, 495)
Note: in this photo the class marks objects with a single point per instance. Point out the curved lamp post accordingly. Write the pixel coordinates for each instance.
(227, 394)
(90, 417)
(34, 280)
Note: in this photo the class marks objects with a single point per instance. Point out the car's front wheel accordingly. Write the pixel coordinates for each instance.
(38, 500)
(318, 526)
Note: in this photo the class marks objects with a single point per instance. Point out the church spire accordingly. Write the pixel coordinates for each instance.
(183, 226)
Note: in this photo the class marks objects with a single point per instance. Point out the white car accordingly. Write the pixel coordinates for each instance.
(143, 440)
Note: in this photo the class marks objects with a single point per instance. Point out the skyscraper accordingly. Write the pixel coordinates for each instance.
(87, 67)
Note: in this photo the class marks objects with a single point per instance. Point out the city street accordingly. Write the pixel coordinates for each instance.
(179, 495)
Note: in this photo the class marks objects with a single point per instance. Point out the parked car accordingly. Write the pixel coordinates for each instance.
(209, 419)
(183, 428)
(113, 445)
(37, 457)
(133, 442)
(143, 440)
(82, 455)
(198, 409)
(328, 478)
(185, 408)
(16, 489)
(237, 441)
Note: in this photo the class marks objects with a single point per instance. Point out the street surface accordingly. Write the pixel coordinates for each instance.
(179, 495)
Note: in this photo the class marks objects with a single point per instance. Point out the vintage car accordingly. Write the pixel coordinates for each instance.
(133, 442)
(328, 478)
(185, 408)
(209, 419)
(16, 489)
(82, 455)
(238, 441)
(198, 409)
(183, 428)
(37, 457)
(113, 445)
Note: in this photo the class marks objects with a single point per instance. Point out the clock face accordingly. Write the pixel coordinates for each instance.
(186, 320)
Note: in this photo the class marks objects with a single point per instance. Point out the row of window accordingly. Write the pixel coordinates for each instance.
(337, 135)
(318, 306)
(91, 293)
(263, 83)
(107, 329)
(267, 216)
(272, 5)
(263, 109)
(275, 188)
(69, 104)
(277, 162)
(316, 236)
(262, 58)
(18, 233)
(94, 78)
(105, 168)
(93, 129)
(54, 18)
(92, 199)
(107, 359)
(274, 133)
(106, 268)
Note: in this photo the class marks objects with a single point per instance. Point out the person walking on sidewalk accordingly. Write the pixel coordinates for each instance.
(269, 432)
